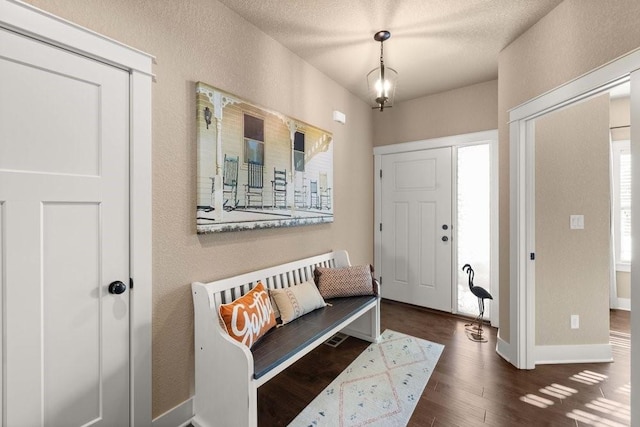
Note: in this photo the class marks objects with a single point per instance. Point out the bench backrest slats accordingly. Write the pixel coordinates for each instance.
(225, 291)
(244, 289)
(228, 296)
(296, 275)
(304, 274)
(217, 299)
(290, 279)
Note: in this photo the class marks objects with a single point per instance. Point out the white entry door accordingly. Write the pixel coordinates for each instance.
(64, 231)
(416, 228)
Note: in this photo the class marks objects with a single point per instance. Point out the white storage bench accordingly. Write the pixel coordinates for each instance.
(228, 374)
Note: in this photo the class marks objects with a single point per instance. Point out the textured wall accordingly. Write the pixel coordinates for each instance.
(573, 39)
(572, 266)
(620, 114)
(201, 40)
(468, 109)
(623, 283)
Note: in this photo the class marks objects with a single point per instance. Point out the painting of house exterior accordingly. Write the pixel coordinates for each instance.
(258, 168)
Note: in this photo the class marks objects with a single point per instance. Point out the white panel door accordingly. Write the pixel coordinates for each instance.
(416, 228)
(64, 190)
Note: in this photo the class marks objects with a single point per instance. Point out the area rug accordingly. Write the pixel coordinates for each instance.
(380, 388)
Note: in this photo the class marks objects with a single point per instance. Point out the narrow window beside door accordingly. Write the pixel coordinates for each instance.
(473, 221)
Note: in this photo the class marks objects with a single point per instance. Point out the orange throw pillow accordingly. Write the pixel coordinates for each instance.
(249, 317)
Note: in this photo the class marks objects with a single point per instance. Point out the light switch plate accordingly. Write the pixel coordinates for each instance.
(575, 321)
(576, 222)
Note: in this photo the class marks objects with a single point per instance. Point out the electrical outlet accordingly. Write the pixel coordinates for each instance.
(575, 321)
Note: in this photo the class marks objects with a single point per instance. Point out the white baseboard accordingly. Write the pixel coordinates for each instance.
(586, 353)
(505, 350)
(180, 416)
(622, 304)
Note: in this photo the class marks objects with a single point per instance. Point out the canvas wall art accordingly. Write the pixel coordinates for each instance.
(258, 168)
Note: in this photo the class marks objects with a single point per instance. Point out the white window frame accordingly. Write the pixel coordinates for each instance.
(304, 147)
(247, 139)
(617, 149)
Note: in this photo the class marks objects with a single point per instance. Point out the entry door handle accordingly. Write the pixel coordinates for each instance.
(117, 287)
(445, 239)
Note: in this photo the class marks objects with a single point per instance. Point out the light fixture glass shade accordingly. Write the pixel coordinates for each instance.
(382, 83)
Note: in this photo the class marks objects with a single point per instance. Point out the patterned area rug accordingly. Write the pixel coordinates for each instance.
(380, 388)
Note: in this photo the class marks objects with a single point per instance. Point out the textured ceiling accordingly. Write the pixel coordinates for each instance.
(435, 45)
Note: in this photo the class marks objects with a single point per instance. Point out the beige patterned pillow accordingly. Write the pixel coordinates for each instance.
(296, 301)
(345, 281)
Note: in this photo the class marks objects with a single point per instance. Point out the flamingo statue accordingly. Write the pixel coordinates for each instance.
(481, 293)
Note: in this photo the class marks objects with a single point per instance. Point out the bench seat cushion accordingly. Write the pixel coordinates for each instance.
(279, 344)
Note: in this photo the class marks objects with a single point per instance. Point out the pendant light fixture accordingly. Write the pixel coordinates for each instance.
(382, 80)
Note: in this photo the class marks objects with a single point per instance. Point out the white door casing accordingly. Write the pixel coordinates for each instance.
(64, 189)
(25, 19)
(520, 350)
(416, 248)
(454, 141)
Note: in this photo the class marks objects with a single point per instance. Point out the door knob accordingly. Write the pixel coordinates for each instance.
(445, 239)
(117, 287)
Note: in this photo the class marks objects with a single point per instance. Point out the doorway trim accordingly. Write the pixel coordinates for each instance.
(522, 191)
(35, 23)
(467, 139)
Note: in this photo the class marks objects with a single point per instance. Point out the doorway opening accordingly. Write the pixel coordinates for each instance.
(479, 157)
(620, 135)
(521, 349)
(621, 200)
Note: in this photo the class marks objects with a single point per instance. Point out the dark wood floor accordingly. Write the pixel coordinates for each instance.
(471, 385)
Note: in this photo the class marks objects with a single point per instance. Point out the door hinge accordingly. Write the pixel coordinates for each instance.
(130, 282)
(532, 256)
(380, 173)
(380, 226)
(380, 281)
